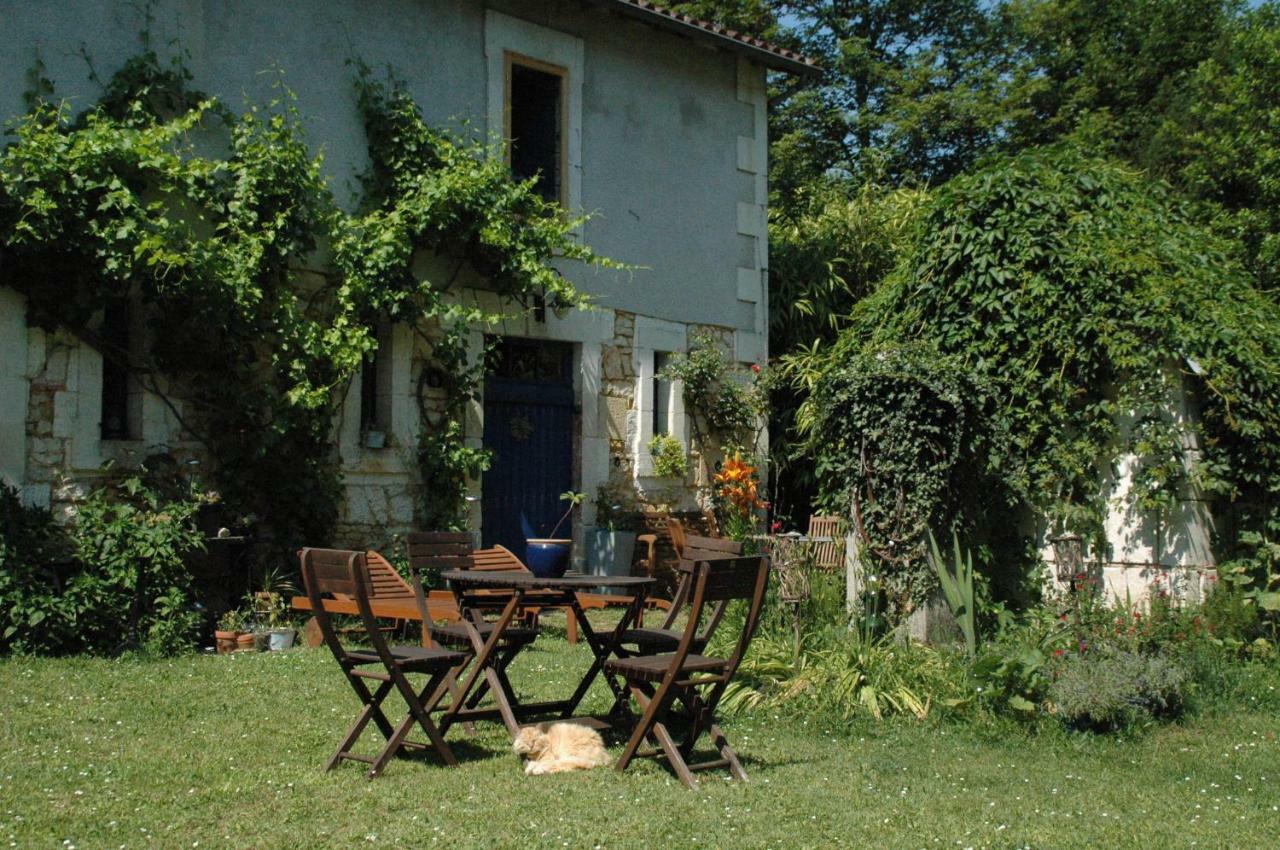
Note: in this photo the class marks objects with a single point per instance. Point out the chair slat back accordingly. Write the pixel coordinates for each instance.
(385, 582)
(496, 558)
(438, 550)
(326, 571)
(827, 555)
(727, 580)
(720, 581)
(331, 572)
(690, 547)
(723, 545)
(435, 551)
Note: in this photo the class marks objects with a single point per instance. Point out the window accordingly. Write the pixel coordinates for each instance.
(661, 395)
(114, 424)
(375, 390)
(536, 124)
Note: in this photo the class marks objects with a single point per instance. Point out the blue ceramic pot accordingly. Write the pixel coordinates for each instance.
(547, 557)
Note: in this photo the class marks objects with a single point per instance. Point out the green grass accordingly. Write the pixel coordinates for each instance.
(227, 752)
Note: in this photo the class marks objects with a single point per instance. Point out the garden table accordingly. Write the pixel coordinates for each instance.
(525, 590)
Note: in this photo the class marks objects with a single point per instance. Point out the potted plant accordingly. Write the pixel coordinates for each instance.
(228, 631)
(611, 543)
(275, 631)
(669, 458)
(548, 557)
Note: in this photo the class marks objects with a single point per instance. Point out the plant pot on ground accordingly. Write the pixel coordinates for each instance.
(611, 543)
(228, 631)
(280, 639)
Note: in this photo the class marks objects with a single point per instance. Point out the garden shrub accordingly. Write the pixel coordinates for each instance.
(124, 583)
(1113, 690)
(669, 459)
(33, 616)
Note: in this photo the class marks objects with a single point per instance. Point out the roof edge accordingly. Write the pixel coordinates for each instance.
(757, 49)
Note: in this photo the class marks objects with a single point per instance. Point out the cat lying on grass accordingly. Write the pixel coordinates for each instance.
(558, 747)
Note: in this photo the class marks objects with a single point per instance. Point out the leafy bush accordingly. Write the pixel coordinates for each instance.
(1107, 691)
(842, 675)
(669, 459)
(895, 433)
(30, 544)
(127, 585)
(1083, 295)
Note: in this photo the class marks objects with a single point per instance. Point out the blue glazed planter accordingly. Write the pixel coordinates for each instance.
(547, 557)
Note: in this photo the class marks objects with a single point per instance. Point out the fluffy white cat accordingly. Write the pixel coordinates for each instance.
(557, 747)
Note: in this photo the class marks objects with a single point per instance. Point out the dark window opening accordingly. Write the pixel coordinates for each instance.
(114, 424)
(661, 395)
(536, 104)
(369, 393)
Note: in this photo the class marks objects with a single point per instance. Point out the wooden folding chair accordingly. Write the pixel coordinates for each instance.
(828, 554)
(688, 547)
(333, 571)
(694, 680)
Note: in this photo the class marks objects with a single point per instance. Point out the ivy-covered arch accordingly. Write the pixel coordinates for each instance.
(1070, 285)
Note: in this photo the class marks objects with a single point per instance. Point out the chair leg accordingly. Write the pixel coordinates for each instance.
(673, 755)
(726, 751)
(417, 713)
(451, 685)
(371, 710)
(571, 626)
(651, 706)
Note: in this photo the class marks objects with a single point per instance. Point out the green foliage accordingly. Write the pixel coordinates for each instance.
(956, 580)
(1086, 299)
(910, 90)
(427, 192)
(34, 616)
(108, 206)
(1112, 67)
(841, 677)
(218, 250)
(726, 403)
(125, 584)
(827, 250)
(669, 458)
(900, 440)
(1107, 691)
(1220, 142)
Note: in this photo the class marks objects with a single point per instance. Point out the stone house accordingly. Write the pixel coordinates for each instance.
(653, 122)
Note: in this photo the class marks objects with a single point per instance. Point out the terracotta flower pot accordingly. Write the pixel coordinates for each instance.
(226, 641)
(244, 642)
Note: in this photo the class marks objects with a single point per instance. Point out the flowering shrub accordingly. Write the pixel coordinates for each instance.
(738, 493)
(1111, 690)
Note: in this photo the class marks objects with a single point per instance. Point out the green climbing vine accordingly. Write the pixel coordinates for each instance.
(426, 192)
(258, 291)
(1097, 318)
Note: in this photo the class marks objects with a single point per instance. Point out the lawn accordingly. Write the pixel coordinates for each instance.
(227, 752)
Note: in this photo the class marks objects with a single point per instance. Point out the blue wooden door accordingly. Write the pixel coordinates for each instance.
(528, 425)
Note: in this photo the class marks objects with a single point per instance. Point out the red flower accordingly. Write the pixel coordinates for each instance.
(777, 526)
(755, 367)
(1058, 651)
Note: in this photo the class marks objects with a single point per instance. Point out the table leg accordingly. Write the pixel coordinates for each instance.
(481, 663)
(602, 649)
